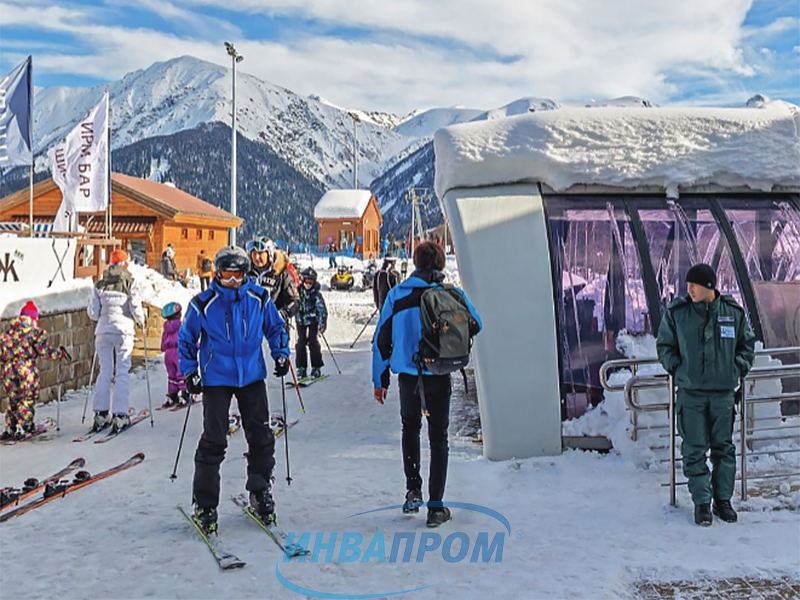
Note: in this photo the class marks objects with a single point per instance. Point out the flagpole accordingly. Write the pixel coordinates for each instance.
(30, 141)
(30, 199)
(108, 164)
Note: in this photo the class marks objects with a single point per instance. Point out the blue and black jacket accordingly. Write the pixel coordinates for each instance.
(221, 336)
(399, 329)
(312, 307)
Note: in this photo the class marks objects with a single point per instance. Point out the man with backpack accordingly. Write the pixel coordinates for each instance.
(384, 280)
(424, 333)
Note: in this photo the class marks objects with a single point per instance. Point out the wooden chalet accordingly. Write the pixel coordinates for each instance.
(146, 217)
(350, 219)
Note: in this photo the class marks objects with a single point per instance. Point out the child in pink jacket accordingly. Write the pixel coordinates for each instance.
(169, 346)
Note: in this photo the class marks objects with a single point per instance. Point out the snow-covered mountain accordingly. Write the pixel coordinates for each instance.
(312, 135)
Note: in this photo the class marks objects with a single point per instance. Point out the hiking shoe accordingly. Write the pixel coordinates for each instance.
(413, 502)
(302, 373)
(206, 518)
(702, 515)
(119, 422)
(724, 510)
(437, 516)
(263, 505)
(316, 372)
(100, 420)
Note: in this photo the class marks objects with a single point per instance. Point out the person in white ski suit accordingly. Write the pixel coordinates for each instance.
(116, 307)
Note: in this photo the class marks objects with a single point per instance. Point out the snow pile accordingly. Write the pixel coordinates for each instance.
(155, 289)
(342, 204)
(669, 148)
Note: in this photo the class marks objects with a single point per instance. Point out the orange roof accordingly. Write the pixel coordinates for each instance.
(171, 197)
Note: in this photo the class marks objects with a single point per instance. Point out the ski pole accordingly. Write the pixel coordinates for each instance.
(58, 396)
(372, 316)
(174, 475)
(297, 387)
(331, 353)
(286, 429)
(147, 377)
(89, 388)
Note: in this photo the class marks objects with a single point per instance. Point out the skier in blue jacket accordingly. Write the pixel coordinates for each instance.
(220, 351)
(395, 345)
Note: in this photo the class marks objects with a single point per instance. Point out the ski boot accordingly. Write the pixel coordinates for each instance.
(9, 433)
(119, 422)
(101, 419)
(413, 502)
(172, 400)
(316, 372)
(206, 518)
(724, 510)
(276, 423)
(301, 373)
(437, 516)
(186, 399)
(263, 505)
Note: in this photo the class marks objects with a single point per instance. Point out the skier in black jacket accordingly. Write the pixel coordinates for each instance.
(385, 279)
(269, 268)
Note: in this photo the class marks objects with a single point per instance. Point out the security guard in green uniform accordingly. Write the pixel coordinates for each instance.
(705, 343)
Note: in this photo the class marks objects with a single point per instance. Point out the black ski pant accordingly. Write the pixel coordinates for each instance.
(307, 335)
(252, 400)
(437, 399)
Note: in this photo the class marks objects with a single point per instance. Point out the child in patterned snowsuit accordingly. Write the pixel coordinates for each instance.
(169, 346)
(20, 346)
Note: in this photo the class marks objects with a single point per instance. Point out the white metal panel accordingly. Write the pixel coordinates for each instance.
(500, 237)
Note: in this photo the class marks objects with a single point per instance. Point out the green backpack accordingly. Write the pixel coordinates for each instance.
(447, 330)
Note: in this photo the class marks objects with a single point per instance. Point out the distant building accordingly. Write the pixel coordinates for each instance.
(146, 217)
(350, 218)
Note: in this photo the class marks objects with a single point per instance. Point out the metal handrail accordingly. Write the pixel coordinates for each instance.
(636, 382)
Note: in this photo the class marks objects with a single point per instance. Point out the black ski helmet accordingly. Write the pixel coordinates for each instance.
(308, 273)
(231, 258)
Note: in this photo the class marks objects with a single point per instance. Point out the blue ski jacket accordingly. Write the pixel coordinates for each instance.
(399, 329)
(221, 336)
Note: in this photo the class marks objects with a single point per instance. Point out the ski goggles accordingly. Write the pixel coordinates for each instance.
(308, 282)
(257, 245)
(231, 276)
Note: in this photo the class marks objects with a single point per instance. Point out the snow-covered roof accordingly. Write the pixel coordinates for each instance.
(672, 148)
(342, 204)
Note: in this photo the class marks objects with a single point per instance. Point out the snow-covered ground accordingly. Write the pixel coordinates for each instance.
(582, 525)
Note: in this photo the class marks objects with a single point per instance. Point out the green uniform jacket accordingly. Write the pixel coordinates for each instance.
(706, 346)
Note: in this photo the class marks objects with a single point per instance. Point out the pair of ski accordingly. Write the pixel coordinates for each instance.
(180, 405)
(226, 559)
(41, 428)
(54, 488)
(306, 381)
(109, 434)
(281, 429)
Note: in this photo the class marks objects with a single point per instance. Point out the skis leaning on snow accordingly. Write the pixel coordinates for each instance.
(273, 531)
(14, 496)
(137, 419)
(224, 559)
(58, 489)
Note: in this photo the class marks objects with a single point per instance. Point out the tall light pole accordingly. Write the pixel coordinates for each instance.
(235, 58)
(356, 121)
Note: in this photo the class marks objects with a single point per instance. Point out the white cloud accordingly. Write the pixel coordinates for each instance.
(417, 53)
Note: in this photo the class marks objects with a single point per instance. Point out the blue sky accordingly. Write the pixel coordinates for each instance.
(401, 55)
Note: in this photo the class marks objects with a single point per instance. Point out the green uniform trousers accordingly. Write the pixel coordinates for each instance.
(705, 422)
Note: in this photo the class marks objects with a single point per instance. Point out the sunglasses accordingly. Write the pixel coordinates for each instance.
(231, 276)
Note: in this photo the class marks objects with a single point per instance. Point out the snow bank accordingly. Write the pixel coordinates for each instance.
(671, 148)
(62, 296)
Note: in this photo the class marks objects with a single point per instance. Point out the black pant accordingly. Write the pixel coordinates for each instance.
(307, 336)
(437, 399)
(252, 400)
(204, 281)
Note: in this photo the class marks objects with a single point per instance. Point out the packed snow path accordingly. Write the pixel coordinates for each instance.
(582, 525)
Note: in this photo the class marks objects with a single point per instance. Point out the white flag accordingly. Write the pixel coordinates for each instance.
(86, 160)
(64, 220)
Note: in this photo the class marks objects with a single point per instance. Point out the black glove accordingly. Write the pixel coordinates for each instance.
(281, 366)
(194, 385)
